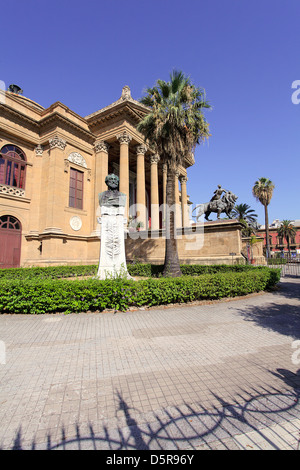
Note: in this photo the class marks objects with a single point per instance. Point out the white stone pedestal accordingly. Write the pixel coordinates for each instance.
(112, 263)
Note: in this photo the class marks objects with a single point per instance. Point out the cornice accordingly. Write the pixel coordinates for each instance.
(67, 236)
(39, 125)
(67, 123)
(19, 117)
(26, 102)
(59, 104)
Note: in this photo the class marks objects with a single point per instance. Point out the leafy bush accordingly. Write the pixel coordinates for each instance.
(137, 269)
(276, 261)
(37, 295)
(49, 272)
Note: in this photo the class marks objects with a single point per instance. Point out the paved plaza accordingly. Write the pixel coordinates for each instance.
(212, 375)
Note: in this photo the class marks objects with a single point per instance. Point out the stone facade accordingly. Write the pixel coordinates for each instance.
(61, 169)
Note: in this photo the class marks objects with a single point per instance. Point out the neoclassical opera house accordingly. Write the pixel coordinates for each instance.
(53, 164)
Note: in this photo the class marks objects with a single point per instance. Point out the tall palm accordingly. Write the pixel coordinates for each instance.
(174, 126)
(263, 191)
(246, 216)
(287, 231)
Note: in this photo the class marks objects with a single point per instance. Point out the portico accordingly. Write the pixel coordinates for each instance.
(121, 149)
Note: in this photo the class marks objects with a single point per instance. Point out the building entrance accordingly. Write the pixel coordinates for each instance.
(10, 242)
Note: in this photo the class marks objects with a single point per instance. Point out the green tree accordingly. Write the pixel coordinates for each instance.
(246, 216)
(263, 191)
(287, 231)
(174, 126)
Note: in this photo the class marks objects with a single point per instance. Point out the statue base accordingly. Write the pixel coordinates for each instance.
(112, 263)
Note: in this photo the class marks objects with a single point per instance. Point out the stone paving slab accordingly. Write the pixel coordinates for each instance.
(219, 375)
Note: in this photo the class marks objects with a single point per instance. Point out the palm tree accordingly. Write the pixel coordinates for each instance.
(246, 216)
(263, 191)
(287, 231)
(174, 126)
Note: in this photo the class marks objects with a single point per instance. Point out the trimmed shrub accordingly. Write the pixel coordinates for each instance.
(137, 269)
(49, 272)
(37, 295)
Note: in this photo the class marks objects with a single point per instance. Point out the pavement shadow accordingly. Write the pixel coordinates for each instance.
(281, 318)
(289, 289)
(192, 427)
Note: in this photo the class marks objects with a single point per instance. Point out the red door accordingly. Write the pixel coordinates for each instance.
(10, 242)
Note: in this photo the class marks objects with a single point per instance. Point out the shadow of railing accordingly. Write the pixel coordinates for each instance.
(190, 427)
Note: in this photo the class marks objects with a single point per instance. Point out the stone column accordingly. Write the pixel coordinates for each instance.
(154, 159)
(177, 201)
(140, 185)
(124, 140)
(184, 204)
(56, 185)
(101, 171)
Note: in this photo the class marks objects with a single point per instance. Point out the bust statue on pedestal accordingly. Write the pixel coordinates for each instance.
(112, 261)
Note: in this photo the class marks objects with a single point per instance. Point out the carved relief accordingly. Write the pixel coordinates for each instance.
(126, 93)
(39, 150)
(57, 142)
(76, 222)
(112, 239)
(67, 165)
(78, 159)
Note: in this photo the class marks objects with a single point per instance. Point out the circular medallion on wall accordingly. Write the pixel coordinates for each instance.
(76, 222)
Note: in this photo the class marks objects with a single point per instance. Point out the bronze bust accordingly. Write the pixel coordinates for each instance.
(112, 197)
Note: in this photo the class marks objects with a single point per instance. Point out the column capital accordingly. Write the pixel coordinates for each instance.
(165, 168)
(177, 173)
(141, 149)
(124, 138)
(57, 142)
(183, 179)
(154, 159)
(101, 146)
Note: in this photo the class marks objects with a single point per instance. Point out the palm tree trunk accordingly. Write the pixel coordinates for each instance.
(171, 264)
(267, 232)
(288, 244)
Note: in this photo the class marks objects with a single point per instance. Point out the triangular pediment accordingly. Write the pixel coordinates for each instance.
(125, 104)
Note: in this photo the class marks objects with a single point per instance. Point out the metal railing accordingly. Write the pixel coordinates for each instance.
(291, 269)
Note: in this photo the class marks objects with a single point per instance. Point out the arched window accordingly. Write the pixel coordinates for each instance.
(12, 166)
(9, 222)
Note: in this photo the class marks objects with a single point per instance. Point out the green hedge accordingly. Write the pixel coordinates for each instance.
(276, 261)
(50, 272)
(138, 269)
(36, 296)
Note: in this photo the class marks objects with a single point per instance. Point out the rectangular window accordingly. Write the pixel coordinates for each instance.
(22, 177)
(76, 189)
(2, 170)
(8, 173)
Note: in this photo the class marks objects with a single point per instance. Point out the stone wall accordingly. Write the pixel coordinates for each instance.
(216, 242)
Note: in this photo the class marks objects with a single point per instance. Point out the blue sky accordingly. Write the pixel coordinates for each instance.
(246, 54)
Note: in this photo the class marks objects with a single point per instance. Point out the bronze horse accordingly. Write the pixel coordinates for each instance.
(225, 204)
